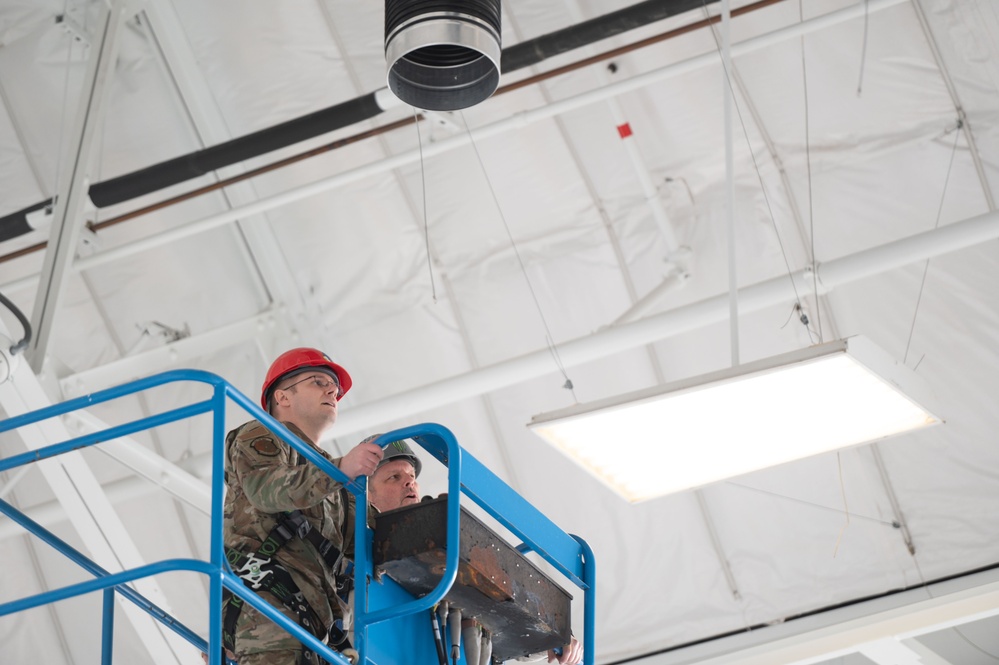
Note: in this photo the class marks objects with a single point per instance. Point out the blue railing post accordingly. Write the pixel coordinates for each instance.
(217, 546)
(589, 601)
(107, 637)
(444, 446)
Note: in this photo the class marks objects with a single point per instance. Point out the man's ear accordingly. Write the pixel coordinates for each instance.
(280, 397)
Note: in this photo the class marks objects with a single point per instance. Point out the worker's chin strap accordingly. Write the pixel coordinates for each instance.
(259, 571)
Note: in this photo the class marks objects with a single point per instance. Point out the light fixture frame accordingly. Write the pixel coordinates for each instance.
(864, 352)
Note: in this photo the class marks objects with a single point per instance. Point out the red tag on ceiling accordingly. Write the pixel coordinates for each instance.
(624, 131)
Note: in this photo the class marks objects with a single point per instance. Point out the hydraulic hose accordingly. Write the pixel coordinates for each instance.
(16, 311)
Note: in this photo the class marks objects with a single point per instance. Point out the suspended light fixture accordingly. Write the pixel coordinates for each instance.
(442, 55)
(694, 432)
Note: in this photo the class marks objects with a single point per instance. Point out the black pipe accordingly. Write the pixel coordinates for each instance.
(179, 169)
(588, 32)
(16, 223)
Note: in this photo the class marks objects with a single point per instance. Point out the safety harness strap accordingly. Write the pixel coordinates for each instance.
(258, 570)
(263, 573)
(294, 524)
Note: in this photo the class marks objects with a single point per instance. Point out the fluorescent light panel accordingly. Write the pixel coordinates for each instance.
(673, 438)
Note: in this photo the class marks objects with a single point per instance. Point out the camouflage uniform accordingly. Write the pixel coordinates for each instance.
(265, 476)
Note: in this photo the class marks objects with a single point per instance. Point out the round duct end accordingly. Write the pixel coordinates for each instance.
(442, 60)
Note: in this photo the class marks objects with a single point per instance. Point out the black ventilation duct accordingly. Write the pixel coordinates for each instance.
(442, 55)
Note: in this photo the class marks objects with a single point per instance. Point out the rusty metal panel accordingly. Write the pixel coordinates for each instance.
(525, 611)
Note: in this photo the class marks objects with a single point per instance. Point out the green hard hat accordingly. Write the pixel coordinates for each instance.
(398, 449)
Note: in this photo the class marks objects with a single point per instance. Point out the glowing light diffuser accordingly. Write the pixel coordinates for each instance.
(698, 431)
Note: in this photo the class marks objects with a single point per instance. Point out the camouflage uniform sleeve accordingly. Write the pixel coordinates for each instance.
(263, 469)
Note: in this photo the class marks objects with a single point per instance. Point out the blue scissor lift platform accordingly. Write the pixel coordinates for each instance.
(392, 617)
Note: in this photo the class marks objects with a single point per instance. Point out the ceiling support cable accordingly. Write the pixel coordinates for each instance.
(733, 278)
(499, 127)
(736, 80)
(948, 80)
(899, 518)
(17, 223)
(709, 524)
(612, 237)
(778, 163)
(72, 197)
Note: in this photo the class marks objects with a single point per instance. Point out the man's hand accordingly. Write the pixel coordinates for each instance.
(572, 654)
(362, 460)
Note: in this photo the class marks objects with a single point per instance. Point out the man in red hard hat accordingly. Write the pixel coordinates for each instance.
(288, 525)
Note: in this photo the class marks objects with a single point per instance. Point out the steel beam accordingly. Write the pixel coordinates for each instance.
(145, 463)
(171, 355)
(71, 199)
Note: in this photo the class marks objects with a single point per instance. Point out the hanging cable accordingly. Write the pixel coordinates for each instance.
(426, 222)
(846, 507)
(926, 264)
(810, 504)
(863, 48)
(808, 168)
(25, 324)
(759, 176)
(523, 269)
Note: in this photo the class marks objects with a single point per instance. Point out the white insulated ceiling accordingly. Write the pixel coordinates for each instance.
(443, 284)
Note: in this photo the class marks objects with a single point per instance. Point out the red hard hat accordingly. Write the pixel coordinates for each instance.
(299, 360)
